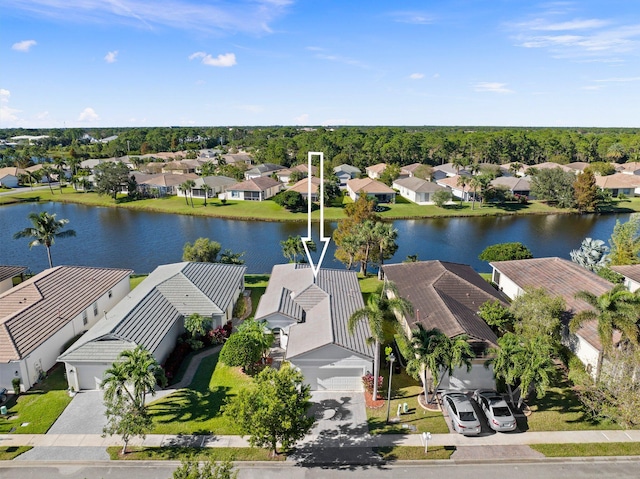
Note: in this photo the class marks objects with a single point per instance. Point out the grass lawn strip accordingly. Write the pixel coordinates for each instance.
(39, 407)
(414, 453)
(589, 449)
(193, 453)
(11, 452)
(270, 211)
(197, 409)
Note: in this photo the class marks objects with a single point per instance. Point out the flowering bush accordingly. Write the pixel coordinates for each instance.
(367, 381)
(218, 335)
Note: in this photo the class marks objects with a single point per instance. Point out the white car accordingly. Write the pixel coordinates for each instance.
(499, 416)
(462, 415)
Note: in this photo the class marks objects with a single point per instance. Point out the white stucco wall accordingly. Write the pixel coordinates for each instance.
(508, 287)
(6, 285)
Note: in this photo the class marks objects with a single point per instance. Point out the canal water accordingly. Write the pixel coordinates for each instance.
(120, 238)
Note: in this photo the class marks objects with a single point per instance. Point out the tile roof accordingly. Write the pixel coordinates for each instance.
(261, 183)
(34, 310)
(410, 168)
(302, 186)
(446, 296)
(346, 168)
(631, 271)
(514, 183)
(377, 168)
(167, 295)
(168, 179)
(327, 305)
(419, 185)
(7, 271)
(368, 185)
(560, 277)
(618, 180)
(452, 182)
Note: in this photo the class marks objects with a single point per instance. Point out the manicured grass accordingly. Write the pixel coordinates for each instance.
(561, 410)
(417, 420)
(192, 453)
(270, 211)
(414, 453)
(11, 452)
(257, 283)
(39, 407)
(197, 409)
(589, 449)
(136, 279)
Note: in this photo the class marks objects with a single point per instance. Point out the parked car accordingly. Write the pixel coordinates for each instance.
(462, 414)
(499, 415)
(3, 395)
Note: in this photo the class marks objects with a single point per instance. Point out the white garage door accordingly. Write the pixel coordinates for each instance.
(333, 379)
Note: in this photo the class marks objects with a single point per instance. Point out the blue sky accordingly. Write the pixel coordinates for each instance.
(91, 63)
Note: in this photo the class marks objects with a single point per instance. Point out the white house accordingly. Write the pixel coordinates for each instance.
(311, 316)
(375, 171)
(256, 189)
(371, 188)
(559, 277)
(345, 173)
(152, 315)
(41, 315)
(9, 176)
(7, 273)
(631, 275)
(417, 190)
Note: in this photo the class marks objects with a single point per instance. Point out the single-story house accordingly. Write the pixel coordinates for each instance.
(311, 318)
(447, 296)
(375, 171)
(620, 184)
(631, 275)
(559, 277)
(465, 193)
(417, 190)
(408, 171)
(165, 183)
(152, 315)
(578, 166)
(255, 189)
(284, 175)
(448, 170)
(629, 168)
(237, 158)
(302, 187)
(372, 188)
(41, 315)
(517, 185)
(216, 185)
(550, 165)
(266, 169)
(345, 173)
(183, 166)
(7, 273)
(9, 176)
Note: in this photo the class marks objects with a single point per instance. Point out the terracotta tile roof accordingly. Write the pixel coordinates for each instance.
(446, 296)
(261, 183)
(548, 165)
(368, 185)
(169, 179)
(377, 168)
(302, 186)
(452, 182)
(34, 310)
(410, 168)
(560, 277)
(618, 180)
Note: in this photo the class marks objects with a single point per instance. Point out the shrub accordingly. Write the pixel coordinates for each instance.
(367, 381)
(15, 382)
(505, 252)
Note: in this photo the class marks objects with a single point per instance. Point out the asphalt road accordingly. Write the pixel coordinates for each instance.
(590, 469)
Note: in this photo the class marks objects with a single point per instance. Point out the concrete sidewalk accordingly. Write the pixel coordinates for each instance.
(367, 440)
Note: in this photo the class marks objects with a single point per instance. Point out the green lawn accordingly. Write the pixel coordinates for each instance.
(414, 453)
(193, 453)
(589, 449)
(38, 408)
(561, 410)
(417, 420)
(197, 409)
(11, 452)
(136, 279)
(257, 283)
(270, 211)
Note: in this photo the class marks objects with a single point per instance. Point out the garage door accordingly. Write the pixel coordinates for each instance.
(334, 379)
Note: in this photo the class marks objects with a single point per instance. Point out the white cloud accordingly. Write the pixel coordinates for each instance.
(4, 95)
(492, 87)
(250, 16)
(226, 60)
(416, 76)
(111, 57)
(8, 115)
(592, 87)
(576, 24)
(302, 119)
(417, 18)
(88, 115)
(619, 80)
(24, 45)
(43, 115)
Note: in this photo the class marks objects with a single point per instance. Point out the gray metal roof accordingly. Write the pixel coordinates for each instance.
(327, 305)
(167, 295)
(7, 271)
(419, 185)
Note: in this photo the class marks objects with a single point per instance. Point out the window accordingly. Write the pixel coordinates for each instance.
(95, 308)
(85, 320)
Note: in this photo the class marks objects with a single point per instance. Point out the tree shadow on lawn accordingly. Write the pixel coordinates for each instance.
(188, 406)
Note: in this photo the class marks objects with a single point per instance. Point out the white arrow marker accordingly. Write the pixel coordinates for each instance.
(324, 240)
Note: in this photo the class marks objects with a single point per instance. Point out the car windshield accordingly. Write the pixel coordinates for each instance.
(501, 411)
(467, 416)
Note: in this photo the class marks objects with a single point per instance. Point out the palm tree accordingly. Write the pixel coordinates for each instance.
(190, 185)
(60, 164)
(47, 171)
(429, 349)
(616, 309)
(385, 236)
(457, 353)
(184, 187)
(506, 360)
(462, 181)
(44, 230)
(134, 374)
(375, 312)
